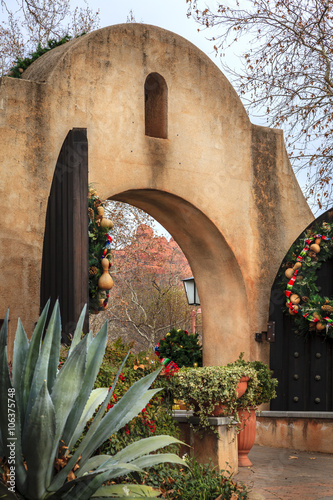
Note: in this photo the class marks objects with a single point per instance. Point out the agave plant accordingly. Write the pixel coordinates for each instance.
(43, 412)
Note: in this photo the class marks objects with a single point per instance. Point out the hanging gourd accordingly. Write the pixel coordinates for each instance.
(105, 282)
(100, 281)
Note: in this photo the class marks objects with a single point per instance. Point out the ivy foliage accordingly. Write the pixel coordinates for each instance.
(181, 347)
(312, 303)
(22, 64)
(260, 389)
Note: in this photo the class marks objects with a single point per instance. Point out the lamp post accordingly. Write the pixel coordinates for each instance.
(192, 297)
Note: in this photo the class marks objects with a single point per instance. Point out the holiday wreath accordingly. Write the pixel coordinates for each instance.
(100, 281)
(298, 277)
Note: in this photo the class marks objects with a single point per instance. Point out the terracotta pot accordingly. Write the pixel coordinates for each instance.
(246, 436)
(241, 388)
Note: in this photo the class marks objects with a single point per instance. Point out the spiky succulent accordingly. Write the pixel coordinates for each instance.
(43, 412)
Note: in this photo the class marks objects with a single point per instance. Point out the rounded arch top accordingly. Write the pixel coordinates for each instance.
(158, 50)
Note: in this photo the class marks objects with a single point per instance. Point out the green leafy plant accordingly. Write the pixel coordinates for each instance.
(195, 482)
(49, 410)
(203, 388)
(260, 389)
(181, 347)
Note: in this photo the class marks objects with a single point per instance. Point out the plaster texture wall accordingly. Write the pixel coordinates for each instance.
(307, 434)
(220, 185)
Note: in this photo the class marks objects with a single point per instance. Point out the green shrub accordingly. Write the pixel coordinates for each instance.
(181, 347)
(196, 482)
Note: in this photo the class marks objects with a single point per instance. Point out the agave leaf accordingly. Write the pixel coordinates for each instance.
(88, 445)
(93, 463)
(8, 402)
(103, 408)
(159, 458)
(66, 488)
(115, 419)
(85, 490)
(66, 390)
(143, 447)
(118, 490)
(5, 382)
(75, 489)
(95, 355)
(38, 443)
(131, 452)
(78, 331)
(55, 341)
(42, 364)
(5, 493)
(90, 337)
(21, 346)
(32, 355)
(96, 398)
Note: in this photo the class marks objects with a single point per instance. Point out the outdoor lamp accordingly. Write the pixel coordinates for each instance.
(191, 292)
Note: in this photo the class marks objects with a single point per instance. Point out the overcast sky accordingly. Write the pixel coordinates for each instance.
(167, 14)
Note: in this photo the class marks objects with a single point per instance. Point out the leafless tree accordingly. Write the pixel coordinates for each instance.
(33, 22)
(286, 74)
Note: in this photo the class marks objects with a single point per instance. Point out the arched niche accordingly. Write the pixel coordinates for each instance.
(156, 106)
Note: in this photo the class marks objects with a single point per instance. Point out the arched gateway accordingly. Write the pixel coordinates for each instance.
(166, 133)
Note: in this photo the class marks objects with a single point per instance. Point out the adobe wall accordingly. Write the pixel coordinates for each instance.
(220, 185)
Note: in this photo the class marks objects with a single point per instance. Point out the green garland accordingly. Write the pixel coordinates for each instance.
(99, 243)
(298, 278)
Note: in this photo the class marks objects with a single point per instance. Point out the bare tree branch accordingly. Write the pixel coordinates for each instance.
(286, 74)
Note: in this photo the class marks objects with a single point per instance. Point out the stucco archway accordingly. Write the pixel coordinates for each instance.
(234, 177)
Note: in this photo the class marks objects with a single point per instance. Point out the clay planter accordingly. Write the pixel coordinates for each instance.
(220, 407)
(246, 436)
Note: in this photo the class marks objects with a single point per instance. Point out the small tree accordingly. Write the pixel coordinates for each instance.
(36, 22)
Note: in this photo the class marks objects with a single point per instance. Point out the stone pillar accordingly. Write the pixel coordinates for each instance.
(220, 448)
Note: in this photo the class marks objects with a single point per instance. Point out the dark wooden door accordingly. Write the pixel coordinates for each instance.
(65, 250)
(303, 366)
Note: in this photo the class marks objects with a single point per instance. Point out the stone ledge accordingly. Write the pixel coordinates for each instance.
(184, 416)
(295, 414)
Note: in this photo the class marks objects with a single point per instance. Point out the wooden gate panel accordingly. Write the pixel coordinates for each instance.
(65, 251)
